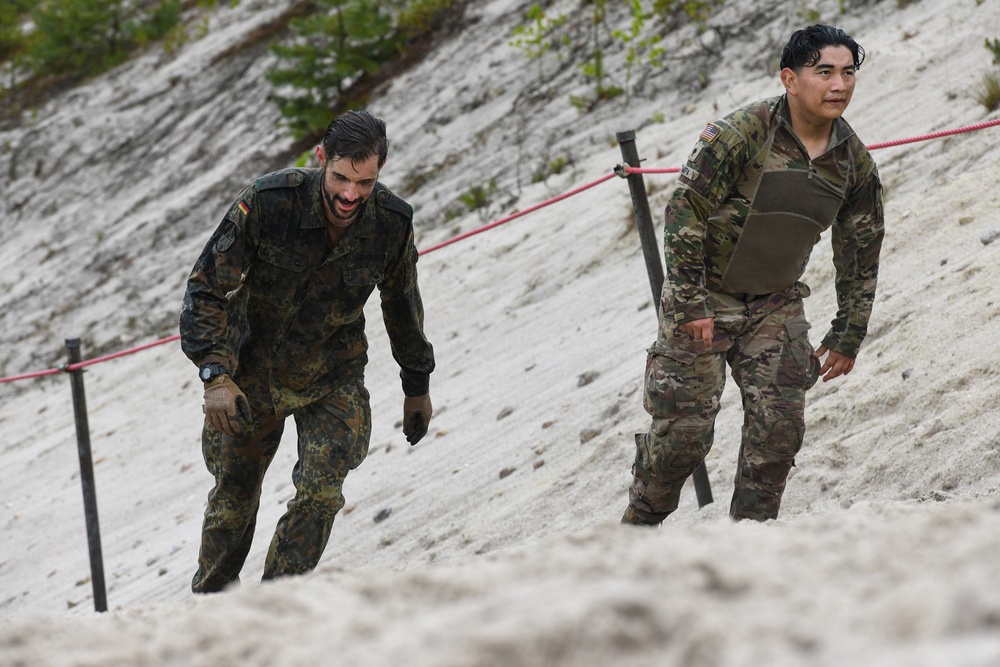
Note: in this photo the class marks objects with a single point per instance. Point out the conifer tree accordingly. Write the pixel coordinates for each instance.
(88, 36)
(13, 41)
(329, 53)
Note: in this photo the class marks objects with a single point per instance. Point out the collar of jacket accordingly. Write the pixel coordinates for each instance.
(841, 132)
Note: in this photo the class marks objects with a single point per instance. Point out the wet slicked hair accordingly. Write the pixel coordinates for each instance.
(804, 46)
(357, 135)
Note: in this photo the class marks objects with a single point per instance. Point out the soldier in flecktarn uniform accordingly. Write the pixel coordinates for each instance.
(273, 317)
(760, 187)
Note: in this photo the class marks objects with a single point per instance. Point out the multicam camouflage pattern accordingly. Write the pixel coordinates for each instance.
(283, 312)
(765, 342)
(739, 230)
(751, 205)
(334, 433)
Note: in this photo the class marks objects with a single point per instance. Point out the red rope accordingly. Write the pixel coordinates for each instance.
(28, 376)
(88, 362)
(514, 216)
(122, 353)
(935, 135)
(871, 147)
(625, 170)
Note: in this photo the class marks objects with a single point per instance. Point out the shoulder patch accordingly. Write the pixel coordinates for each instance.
(711, 132)
(386, 199)
(286, 178)
(228, 237)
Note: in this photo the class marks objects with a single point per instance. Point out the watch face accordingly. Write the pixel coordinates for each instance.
(205, 374)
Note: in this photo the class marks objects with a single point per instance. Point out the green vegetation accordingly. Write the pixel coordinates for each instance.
(987, 93)
(993, 45)
(75, 39)
(696, 11)
(329, 53)
(478, 198)
(637, 45)
(86, 37)
(554, 166)
(13, 41)
(536, 38)
(593, 67)
(638, 50)
(334, 56)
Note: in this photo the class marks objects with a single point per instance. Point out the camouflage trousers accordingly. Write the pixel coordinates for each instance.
(333, 436)
(766, 345)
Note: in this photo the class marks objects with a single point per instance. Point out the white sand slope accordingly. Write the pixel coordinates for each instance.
(886, 549)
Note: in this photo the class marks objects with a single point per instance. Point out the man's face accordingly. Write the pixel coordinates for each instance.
(347, 184)
(822, 91)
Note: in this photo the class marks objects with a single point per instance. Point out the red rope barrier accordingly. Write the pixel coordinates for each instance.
(514, 216)
(28, 376)
(871, 147)
(122, 353)
(621, 170)
(65, 368)
(935, 135)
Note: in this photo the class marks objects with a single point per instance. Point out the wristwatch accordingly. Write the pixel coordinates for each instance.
(209, 372)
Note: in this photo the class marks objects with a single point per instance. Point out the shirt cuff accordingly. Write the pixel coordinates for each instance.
(415, 383)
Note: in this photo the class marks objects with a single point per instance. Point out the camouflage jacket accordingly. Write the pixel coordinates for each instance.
(751, 205)
(271, 301)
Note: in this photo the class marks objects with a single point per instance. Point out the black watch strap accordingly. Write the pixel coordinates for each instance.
(209, 372)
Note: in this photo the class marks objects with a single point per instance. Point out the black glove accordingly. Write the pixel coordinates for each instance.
(416, 416)
(223, 400)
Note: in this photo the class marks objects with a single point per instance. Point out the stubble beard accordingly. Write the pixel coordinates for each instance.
(331, 203)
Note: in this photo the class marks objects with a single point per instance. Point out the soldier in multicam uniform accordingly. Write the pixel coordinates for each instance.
(759, 188)
(273, 317)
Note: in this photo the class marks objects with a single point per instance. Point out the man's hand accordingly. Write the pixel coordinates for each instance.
(700, 329)
(222, 401)
(417, 412)
(835, 365)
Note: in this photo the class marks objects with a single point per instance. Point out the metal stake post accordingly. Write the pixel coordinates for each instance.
(87, 476)
(651, 252)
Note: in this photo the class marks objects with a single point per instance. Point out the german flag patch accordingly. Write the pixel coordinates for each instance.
(711, 132)
(243, 207)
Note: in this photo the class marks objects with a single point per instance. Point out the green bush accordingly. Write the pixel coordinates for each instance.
(86, 37)
(987, 93)
(993, 45)
(537, 37)
(13, 41)
(331, 55)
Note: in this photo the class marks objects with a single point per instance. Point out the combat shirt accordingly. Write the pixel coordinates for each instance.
(283, 311)
(751, 205)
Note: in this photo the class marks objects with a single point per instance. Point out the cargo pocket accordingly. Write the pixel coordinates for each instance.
(668, 374)
(800, 367)
(353, 431)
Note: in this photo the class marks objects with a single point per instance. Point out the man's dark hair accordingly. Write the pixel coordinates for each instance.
(804, 46)
(357, 135)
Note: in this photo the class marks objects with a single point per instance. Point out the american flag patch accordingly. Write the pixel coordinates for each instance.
(244, 208)
(711, 132)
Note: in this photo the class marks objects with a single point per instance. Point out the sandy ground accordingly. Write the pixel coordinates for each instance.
(501, 544)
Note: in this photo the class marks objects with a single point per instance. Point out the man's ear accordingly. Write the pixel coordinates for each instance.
(320, 155)
(788, 79)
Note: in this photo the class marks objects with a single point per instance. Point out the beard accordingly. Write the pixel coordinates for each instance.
(340, 220)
